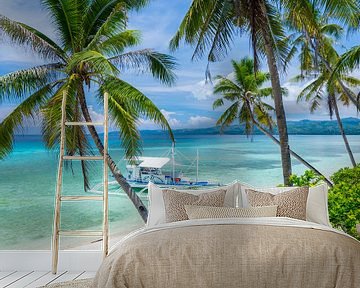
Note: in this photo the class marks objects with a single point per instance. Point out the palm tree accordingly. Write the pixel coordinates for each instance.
(245, 96)
(91, 52)
(323, 85)
(315, 38)
(212, 25)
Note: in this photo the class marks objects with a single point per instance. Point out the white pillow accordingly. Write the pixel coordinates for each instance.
(317, 202)
(156, 202)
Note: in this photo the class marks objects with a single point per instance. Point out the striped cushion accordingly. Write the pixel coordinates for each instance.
(201, 212)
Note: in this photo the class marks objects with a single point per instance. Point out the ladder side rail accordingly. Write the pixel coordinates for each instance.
(106, 178)
(55, 244)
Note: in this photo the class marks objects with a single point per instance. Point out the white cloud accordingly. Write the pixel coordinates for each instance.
(203, 90)
(196, 121)
(200, 122)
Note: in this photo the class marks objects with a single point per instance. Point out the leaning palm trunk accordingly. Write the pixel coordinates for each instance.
(279, 107)
(141, 208)
(294, 154)
(341, 128)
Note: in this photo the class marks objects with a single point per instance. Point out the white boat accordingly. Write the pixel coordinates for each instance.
(159, 170)
(142, 170)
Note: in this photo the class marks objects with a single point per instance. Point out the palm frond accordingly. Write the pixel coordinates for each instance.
(94, 61)
(333, 30)
(127, 123)
(24, 35)
(114, 23)
(28, 108)
(20, 84)
(67, 16)
(99, 10)
(160, 65)
(128, 96)
(348, 61)
(228, 116)
(218, 103)
(116, 44)
(226, 86)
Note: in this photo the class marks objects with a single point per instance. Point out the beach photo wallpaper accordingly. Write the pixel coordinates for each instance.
(202, 114)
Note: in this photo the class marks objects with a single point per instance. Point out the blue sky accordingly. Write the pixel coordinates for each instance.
(186, 105)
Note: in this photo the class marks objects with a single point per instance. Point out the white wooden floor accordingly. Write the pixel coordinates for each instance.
(32, 279)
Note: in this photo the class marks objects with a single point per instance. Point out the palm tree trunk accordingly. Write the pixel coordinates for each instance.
(341, 128)
(276, 88)
(296, 156)
(141, 208)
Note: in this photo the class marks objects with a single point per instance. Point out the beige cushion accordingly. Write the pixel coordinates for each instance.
(290, 203)
(201, 212)
(157, 206)
(317, 202)
(175, 201)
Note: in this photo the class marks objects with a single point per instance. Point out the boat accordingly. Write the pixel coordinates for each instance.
(161, 171)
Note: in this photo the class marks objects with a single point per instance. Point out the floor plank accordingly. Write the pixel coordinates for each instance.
(49, 277)
(12, 278)
(27, 280)
(5, 274)
(77, 277)
(87, 275)
(68, 276)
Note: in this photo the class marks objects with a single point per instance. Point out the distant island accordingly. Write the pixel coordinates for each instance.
(302, 127)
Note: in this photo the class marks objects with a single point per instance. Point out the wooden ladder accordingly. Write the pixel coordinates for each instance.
(57, 232)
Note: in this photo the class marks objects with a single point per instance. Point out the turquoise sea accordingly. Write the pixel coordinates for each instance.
(27, 179)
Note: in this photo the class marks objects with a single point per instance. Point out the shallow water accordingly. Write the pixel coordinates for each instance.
(28, 175)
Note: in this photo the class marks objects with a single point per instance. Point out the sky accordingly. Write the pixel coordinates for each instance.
(188, 104)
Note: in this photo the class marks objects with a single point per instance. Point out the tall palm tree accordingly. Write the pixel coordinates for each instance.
(244, 95)
(211, 25)
(322, 84)
(92, 51)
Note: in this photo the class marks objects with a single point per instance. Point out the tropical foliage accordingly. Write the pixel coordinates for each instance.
(344, 200)
(91, 52)
(323, 88)
(245, 94)
(211, 27)
(309, 179)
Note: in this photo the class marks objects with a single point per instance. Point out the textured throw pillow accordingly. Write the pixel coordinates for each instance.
(175, 201)
(202, 212)
(157, 207)
(317, 202)
(290, 204)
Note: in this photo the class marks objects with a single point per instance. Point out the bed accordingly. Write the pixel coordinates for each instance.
(234, 252)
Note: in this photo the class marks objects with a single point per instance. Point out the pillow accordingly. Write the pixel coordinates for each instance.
(201, 212)
(156, 202)
(290, 203)
(175, 202)
(316, 206)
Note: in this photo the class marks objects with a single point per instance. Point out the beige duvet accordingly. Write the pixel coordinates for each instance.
(274, 253)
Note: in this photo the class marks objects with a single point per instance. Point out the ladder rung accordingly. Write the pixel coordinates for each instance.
(82, 198)
(83, 233)
(83, 157)
(84, 123)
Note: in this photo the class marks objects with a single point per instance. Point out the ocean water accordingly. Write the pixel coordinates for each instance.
(28, 177)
